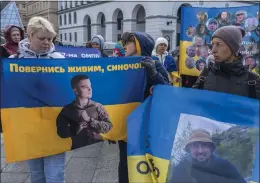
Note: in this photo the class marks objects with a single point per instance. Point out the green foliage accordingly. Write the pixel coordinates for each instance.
(237, 145)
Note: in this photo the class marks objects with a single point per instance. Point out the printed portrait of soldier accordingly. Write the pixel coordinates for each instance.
(201, 30)
(198, 41)
(200, 64)
(224, 19)
(251, 24)
(190, 32)
(202, 17)
(212, 25)
(250, 61)
(190, 63)
(191, 51)
(240, 17)
(203, 52)
(83, 119)
(201, 165)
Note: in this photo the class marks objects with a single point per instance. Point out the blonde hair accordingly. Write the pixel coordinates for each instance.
(39, 23)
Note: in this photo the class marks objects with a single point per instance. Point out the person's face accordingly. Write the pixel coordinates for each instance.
(204, 53)
(200, 17)
(95, 45)
(199, 41)
(16, 36)
(250, 62)
(192, 30)
(190, 63)
(212, 26)
(84, 90)
(200, 151)
(191, 51)
(240, 17)
(220, 50)
(40, 41)
(130, 49)
(161, 48)
(224, 15)
(202, 29)
(201, 66)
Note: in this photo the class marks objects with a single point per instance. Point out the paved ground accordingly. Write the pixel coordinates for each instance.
(97, 163)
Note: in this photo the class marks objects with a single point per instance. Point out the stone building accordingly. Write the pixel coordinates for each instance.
(46, 9)
(79, 21)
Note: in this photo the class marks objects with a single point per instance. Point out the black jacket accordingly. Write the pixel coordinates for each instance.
(3, 52)
(229, 77)
(217, 170)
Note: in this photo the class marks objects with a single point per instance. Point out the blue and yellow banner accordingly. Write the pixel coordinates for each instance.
(52, 106)
(187, 135)
(198, 26)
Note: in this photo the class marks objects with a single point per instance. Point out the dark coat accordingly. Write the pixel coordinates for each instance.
(230, 77)
(147, 44)
(217, 170)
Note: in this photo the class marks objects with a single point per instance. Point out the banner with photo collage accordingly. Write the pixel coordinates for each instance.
(199, 24)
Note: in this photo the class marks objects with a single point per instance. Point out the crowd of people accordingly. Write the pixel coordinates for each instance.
(225, 73)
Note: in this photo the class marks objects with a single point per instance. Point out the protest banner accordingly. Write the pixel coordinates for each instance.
(78, 52)
(198, 26)
(41, 103)
(189, 135)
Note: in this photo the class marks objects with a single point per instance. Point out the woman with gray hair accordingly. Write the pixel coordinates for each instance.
(39, 44)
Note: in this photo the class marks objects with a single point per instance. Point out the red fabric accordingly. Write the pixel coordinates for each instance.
(10, 46)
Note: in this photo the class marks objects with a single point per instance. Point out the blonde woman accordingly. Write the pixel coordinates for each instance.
(39, 45)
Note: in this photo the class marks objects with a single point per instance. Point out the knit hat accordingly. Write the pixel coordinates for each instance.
(231, 35)
(160, 40)
(200, 135)
(99, 40)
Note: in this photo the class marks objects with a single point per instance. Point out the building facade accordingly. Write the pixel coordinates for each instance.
(79, 21)
(46, 9)
(22, 11)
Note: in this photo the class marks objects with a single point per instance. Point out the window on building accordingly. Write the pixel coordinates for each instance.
(65, 36)
(119, 23)
(60, 37)
(75, 37)
(69, 18)
(71, 4)
(65, 19)
(118, 37)
(60, 20)
(75, 17)
(82, 2)
(66, 5)
(70, 37)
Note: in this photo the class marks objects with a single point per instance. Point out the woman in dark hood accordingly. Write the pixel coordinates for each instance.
(13, 35)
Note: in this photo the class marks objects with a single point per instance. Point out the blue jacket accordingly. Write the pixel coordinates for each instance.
(169, 63)
(147, 44)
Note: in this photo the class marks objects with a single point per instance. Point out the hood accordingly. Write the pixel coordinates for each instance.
(7, 33)
(99, 40)
(24, 50)
(146, 43)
